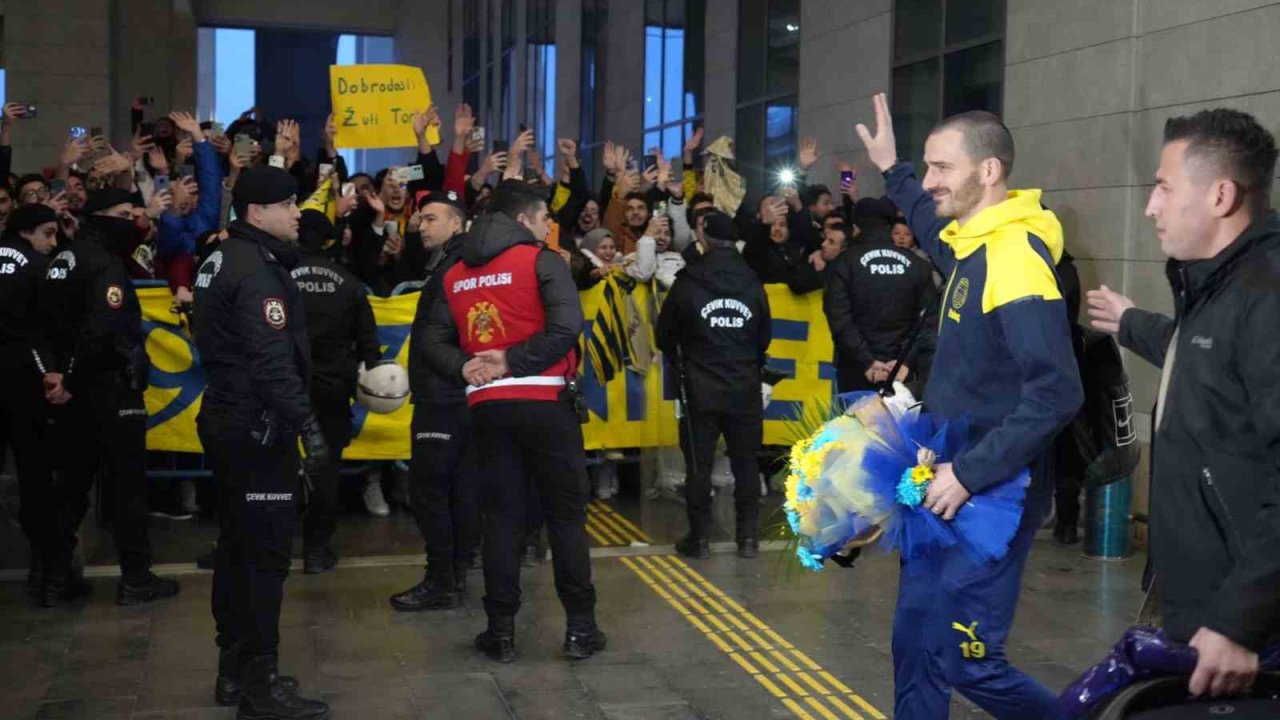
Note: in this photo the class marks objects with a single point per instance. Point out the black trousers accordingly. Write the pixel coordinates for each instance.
(442, 490)
(256, 516)
(533, 449)
(332, 407)
(104, 427)
(24, 427)
(743, 433)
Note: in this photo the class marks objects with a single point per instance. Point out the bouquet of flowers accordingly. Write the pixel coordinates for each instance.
(862, 475)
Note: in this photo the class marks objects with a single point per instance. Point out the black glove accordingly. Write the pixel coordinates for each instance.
(316, 450)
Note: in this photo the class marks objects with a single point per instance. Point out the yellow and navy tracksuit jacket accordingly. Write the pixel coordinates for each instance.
(1004, 358)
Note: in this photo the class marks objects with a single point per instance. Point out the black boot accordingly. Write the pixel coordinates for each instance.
(145, 589)
(318, 559)
(436, 591)
(583, 638)
(692, 546)
(267, 697)
(498, 641)
(59, 587)
(1066, 533)
(748, 548)
(227, 689)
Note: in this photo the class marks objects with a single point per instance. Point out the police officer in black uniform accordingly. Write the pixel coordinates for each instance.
(443, 470)
(99, 372)
(30, 236)
(341, 328)
(716, 324)
(252, 337)
(875, 293)
(506, 320)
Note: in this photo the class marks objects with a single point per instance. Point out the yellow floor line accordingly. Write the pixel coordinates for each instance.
(610, 520)
(608, 534)
(807, 690)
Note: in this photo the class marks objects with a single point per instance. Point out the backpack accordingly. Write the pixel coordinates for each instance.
(1103, 433)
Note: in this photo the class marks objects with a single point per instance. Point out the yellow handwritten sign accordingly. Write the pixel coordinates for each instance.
(373, 105)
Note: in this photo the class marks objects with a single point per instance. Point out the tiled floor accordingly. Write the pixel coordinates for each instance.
(345, 644)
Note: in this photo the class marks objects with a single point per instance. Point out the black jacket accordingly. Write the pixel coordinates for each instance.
(490, 236)
(1215, 478)
(252, 332)
(93, 317)
(717, 318)
(428, 386)
(340, 323)
(24, 348)
(874, 294)
(785, 263)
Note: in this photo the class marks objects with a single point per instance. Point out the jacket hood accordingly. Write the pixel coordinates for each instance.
(722, 271)
(1021, 208)
(491, 235)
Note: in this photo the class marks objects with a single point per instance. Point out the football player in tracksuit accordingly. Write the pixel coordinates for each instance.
(342, 330)
(1004, 361)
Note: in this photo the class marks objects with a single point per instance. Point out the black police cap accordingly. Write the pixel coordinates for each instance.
(29, 217)
(444, 197)
(264, 185)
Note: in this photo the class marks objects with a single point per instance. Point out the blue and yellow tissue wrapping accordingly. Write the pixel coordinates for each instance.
(864, 473)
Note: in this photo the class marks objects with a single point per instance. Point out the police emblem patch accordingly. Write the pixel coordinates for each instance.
(273, 311)
(115, 297)
(483, 320)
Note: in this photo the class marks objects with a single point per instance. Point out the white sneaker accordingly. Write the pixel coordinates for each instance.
(187, 496)
(373, 500)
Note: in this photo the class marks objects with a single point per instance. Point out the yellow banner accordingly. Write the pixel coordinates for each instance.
(631, 410)
(373, 105)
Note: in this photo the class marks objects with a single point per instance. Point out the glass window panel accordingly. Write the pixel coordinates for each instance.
(653, 138)
(673, 76)
(973, 19)
(653, 12)
(753, 60)
(784, 47)
(972, 79)
(917, 27)
(780, 134)
(672, 142)
(652, 75)
(915, 106)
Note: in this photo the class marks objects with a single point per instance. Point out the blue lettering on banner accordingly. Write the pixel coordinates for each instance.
(189, 382)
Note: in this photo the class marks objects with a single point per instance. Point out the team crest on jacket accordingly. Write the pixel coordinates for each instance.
(273, 311)
(115, 297)
(961, 295)
(483, 320)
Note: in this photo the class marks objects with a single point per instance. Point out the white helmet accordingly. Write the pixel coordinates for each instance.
(384, 388)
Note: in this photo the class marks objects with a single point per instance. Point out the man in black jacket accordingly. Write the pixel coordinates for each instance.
(100, 373)
(507, 320)
(443, 477)
(875, 292)
(342, 332)
(1215, 501)
(29, 238)
(716, 325)
(252, 339)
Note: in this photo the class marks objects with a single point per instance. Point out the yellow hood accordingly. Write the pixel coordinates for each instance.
(1021, 210)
